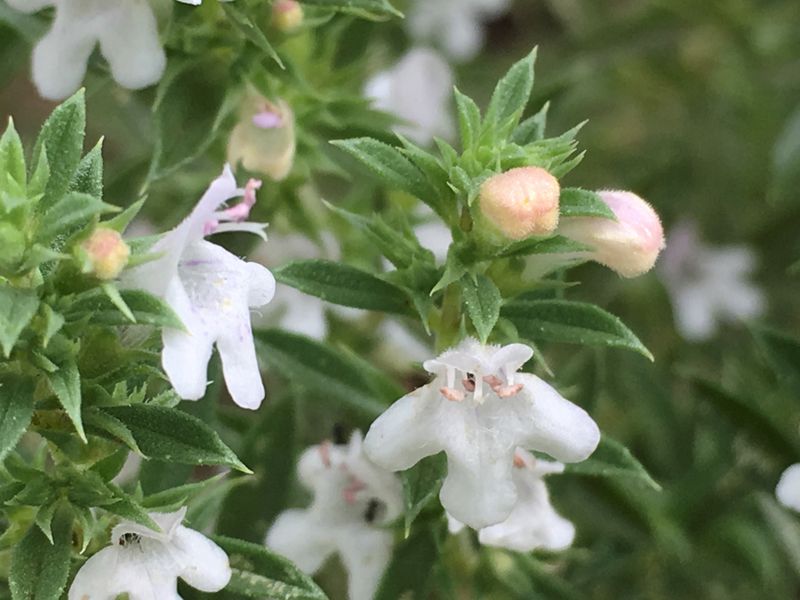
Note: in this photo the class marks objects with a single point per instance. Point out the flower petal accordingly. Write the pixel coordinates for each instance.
(240, 366)
(60, 57)
(129, 41)
(406, 432)
(261, 285)
(547, 422)
(302, 539)
(205, 565)
(788, 490)
(365, 552)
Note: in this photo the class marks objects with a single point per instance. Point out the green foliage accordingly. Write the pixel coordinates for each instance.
(40, 566)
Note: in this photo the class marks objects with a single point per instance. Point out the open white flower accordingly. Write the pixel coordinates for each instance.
(478, 410)
(145, 564)
(533, 523)
(212, 291)
(455, 24)
(788, 490)
(353, 500)
(418, 91)
(126, 31)
(708, 285)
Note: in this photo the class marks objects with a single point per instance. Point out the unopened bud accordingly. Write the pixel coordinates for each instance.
(264, 139)
(287, 15)
(106, 253)
(631, 244)
(521, 202)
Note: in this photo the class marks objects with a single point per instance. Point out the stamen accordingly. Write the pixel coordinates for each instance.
(509, 390)
(350, 493)
(519, 462)
(494, 381)
(451, 377)
(469, 383)
(325, 453)
(452, 394)
(478, 394)
(241, 211)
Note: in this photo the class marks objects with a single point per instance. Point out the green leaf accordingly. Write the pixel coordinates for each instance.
(69, 213)
(16, 410)
(785, 527)
(366, 9)
(170, 434)
(251, 31)
(421, 484)
(121, 221)
(389, 165)
(532, 129)
(12, 157)
(105, 423)
(342, 284)
(409, 573)
(53, 322)
(17, 308)
(483, 301)
(612, 459)
(469, 120)
(62, 136)
(146, 309)
(320, 369)
(558, 244)
(782, 351)
(571, 322)
(748, 416)
(512, 92)
(575, 202)
(259, 573)
(66, 385)
(39, 569)
(88, 177)
(176, 497)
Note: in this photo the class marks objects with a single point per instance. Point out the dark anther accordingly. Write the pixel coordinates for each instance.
(339, 436)
(374, 507)
(129, 538)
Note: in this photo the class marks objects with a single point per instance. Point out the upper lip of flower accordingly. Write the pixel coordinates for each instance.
(493, 366)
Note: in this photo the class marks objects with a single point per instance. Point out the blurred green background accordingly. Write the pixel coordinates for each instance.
(695, 105)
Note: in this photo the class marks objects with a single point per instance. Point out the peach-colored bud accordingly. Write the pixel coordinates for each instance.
(106, 253)
(287, 15)
(631, 244)
(521, 202)
(264, 139)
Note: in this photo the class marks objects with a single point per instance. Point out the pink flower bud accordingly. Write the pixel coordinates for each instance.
(106, 253)
(287, 15)
(521, 202)
(631, 244)
(264, 139)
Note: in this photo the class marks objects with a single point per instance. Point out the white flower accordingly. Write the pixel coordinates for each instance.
(126, 31)
(788, 490)
(212, 291)
(417, 90)
(708, 285)
(145, 564)
(353, 500)
(456, 24)
(478, 410)
(533, 523)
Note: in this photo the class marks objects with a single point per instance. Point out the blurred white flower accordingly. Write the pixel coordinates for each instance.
(145, 564)
(264, 138)
(126, 31)
(478, 410)
(533, 523)
(353, 500)
(293, 310)
(788, 490)
(418, 90)
(212, 291)
(457, 25)
(708, 285)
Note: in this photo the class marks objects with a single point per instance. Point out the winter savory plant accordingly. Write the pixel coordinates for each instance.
(142, 454)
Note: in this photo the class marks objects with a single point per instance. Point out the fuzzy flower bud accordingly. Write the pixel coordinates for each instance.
(287, 15)
(264, 139)
(631, 244)
(106, 253)
(521, 202)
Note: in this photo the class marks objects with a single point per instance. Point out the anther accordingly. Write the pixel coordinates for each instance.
(452, 394)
